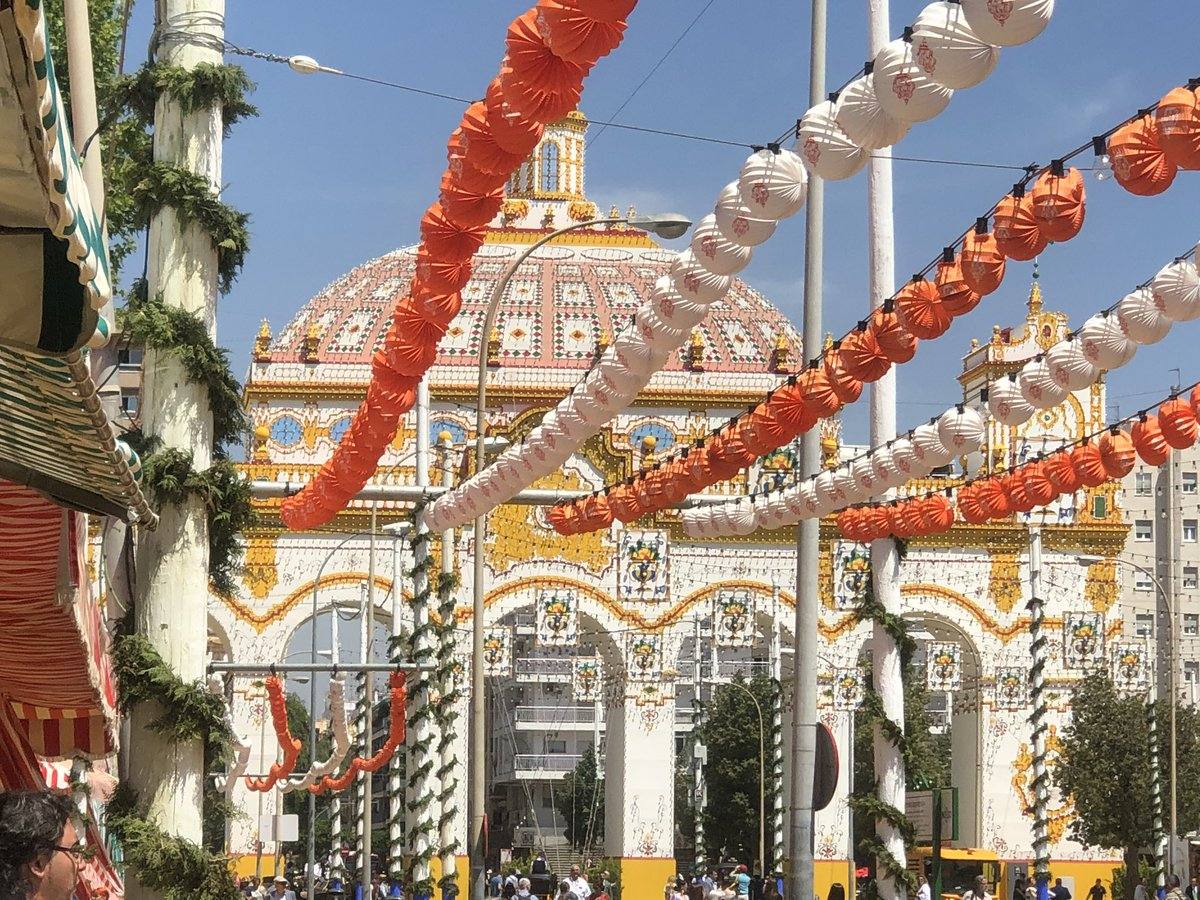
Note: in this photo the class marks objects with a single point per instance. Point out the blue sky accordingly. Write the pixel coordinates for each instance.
(334, 172)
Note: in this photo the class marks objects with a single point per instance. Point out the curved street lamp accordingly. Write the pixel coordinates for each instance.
(666, 225)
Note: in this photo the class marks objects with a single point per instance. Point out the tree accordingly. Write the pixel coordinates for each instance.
(730, 731)
(297, 801)
(580, 801)
(1105, 767)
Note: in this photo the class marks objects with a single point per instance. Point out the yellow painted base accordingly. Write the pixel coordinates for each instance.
(462, 872)
(1085, 873)
(243, 865)
(827, 872)
(643, 878)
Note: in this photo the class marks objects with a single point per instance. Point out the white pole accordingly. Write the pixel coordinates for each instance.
(396, 765)
(172, 584)
(1037, 721)
(337, 866)
(449, 764)
(698, 749)
(776, 853)
(369, 694)
(885, 562)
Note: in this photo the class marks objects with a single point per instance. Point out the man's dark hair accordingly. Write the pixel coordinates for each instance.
(31, 822)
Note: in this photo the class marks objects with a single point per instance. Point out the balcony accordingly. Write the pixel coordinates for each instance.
(555, 718)
(542, 669)
(537, 766)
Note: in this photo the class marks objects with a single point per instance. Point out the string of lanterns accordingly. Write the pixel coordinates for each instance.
(280, 770)
(341, 741)
(910, 81)
(1025, 221)
(551, 48)
(1106, 341)
(397, 706)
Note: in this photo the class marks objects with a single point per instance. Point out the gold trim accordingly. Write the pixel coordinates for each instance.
(584, 237)
(261, 621)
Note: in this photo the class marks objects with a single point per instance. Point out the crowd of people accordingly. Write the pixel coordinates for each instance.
(575, 886)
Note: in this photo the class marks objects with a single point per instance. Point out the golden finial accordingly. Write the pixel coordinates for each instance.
(262, 343)
(493, 347)
(613, 213)
(828, 343)
(603, 341)
(261, 434)
(632, 211)
(649, 443)
(694, 358)
(997, 337)
(831, 442)
(312, 339)
(1035, 293)
(445, 437)
(974, 343)
(780, 353)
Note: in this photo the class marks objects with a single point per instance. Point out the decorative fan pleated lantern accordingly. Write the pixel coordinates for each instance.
(774, 184)
(1038, 385)
(1007, 403)
(1007, 23)
(1059, 203)
(1017, 230)
(863, 118)
(1069, 365)
(737, 222)
(716, 252)
(982, 263)
(1139, 163)
(1141, 318)
(921, 310)
(1178, 121)
(825, 147)
(961, 430)
(1105, 343)
(906, 92)
(949, 50)
(1176, 290)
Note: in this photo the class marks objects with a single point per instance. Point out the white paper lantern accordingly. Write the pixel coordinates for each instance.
(826, 492)
(773, 185)
(961, 430)
(716, 252)
(1176, 290)
(865, 477)
(1038, 386)
(674, 309)
(638, 356)
(656, 333)
(742, 518)
(694, 526)
(863, 118)
(595, 414)
(904, 460)
(1104, 342)
(905, 91)
(776, 513)
(826, 149)
(1007, 23)
(615, 370)
(846, 482)
(886, 474)
(696, 283)
(797, 499)
(1006, 403)
(1141, 318)
(948, 49)
(927, 443)
(736, 220)
(1069, 365)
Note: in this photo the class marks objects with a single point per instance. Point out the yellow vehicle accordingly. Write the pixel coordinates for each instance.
(960, 865)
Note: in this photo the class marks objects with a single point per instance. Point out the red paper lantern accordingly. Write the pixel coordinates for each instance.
(787, 406)
(847, 388)
(467, 208)
(994, 497)
(439, 276)
(1018, 498)
(1017, 231)
(411, 344)
(958, 298)
(1089, 465)
(1138, 161)
(1060, 472)
(973, 510)
(1178, 122)
(893, 338)
(862, 357)
(1149, 442)
(982, 263)
(1038, 486)
(818, 393)
(479, 148)
(513, 132)
(446, 239)
(919, 306)
(761, 432)
(1116, 453)
(575, 35)
(1059, 204)
(939, 514)
(1177, 421)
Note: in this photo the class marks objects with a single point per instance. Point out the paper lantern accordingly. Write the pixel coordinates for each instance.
(971, 507)
(737, 222)
(591, 410)
(927, 443)
(905, 90)
(657, 334)
(446, 239)
(789, 409)
(1089, 465)
(1059, 468)
(1194, 399)
(994, 497)
(727, 447)
(948, 50)
(1007, 23)
(773, 184)
(845, 386)
(981, 262)
(513, 132)
(1176, 290)
(698, 467)
(817, 392)
(847, 523)
(714, 251)
(904, 460)
(1116, 453)
(1141, 319)
(539, 101)
(961, 430)
(618, 370)
(906, 518)
(1104, 342)
(464, 173)
(1178, 122)
(920, 309)
(636, 354)
(1007, 403)
(877, 523)
(829, 492)
(1069, 365)
(1059, 202)
(862, 117)
(672, 308)
(479, 148)
(623, 503)
(1038, 386)
(411, 344)
(534, 63)
(439, 276)
(694, 525)
(958, 297)
(1018, 498)
(468, 208)
(806, 499)
(696, 283)
(1149, 442)
(866, 478)
(825, 147)
(1138, 162)
(843, 477)
(862, 356)
(1017, 230)
(939, 514)
(885, 467)
(894, 340)
(742, 517)
(1038, 486)
(1177, 421)
(574, 35)
(760, 432)
(596, 512)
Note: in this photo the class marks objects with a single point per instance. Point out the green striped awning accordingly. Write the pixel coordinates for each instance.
(53, 259)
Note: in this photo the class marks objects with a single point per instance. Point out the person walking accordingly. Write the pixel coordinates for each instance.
(40, 853)
(922, 886)
(742, 882)
(1139, 889)
(564, 890)
(1096, 891)
(540, 866)
(1192, 891)
(524, 884)
(578, 885)
(1173, 891)
(280, 890)
(1060, 891)
(978, 890)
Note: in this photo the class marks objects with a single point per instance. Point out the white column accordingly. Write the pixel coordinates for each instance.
(172, 584)
(639, 797)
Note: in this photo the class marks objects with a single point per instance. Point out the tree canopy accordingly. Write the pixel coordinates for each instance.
(579, 799)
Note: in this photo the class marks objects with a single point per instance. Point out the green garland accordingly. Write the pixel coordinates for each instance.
(447, 584)
(192, 198)
(199, 88)
(867, 803)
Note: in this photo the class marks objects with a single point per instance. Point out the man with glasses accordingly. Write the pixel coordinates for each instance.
(39, 850)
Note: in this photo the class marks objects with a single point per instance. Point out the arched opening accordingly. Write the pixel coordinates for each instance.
(550, 167)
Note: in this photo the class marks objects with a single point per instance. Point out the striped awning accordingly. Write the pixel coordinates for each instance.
(53, 255)
(55, 675)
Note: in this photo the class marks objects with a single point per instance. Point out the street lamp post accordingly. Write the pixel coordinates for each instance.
(1172, 664)
(667, 226)
(762, 779)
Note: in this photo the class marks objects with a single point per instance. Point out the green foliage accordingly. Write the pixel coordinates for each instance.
(1105, 766)
(297, 801)
(162, 863)
(202, 87)
(192, 198)
(188, 710)
(731, 736)
(579, 799)
(685, 809)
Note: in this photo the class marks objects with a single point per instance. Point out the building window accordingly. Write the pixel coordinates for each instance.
(286, 431)
(1143, 530)
(1191, 671)
(129, 403)
(1144, 625)
(1189, 530)
(1191, 578)
(1189, 483)
(131, 358)
(1191, 623)
(1141, 484)
(1141, 581)
(556, 745)
(549, 166)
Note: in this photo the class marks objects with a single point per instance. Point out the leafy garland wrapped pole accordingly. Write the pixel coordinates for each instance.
(775, 859)
(1160, 835)
(361, 712)
(337, 865)
(1037, 718)
(397, 641)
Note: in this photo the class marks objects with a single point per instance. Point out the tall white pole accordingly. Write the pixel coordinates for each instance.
(885, 561)
(698, 749)
(448, 763)
(172, 584)
(775, 856)
(369, 694)
(337, 865)
(396, 765)
(1037, 721)
(1168, 581)
(808, 532)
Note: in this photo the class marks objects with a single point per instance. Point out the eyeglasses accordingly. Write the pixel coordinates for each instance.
(79, 851)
